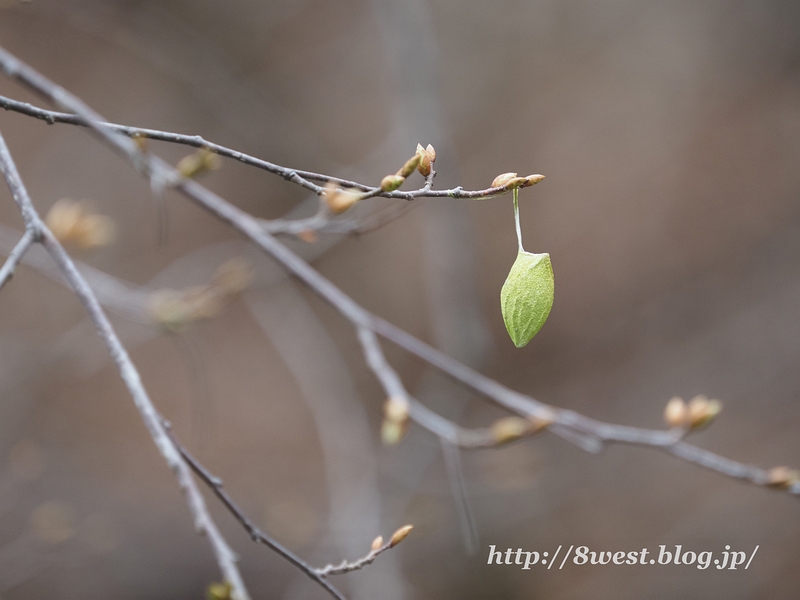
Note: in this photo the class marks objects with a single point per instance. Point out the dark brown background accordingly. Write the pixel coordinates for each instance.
(670, 137)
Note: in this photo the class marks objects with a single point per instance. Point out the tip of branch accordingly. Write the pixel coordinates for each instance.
(399, 535)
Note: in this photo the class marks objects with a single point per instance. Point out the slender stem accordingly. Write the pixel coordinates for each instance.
(256, 534)
(7, 272)
(347, 567)
(516, 219)
(297, 176)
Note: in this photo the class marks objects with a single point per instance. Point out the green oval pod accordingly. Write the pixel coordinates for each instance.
(527, 296)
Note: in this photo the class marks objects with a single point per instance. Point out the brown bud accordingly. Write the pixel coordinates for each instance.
(341, 201)
(703, 411)
(783, 477)
(391, 182)
(410, 166)
(532, 180)
(502, 179)
(429, 150)
(399, 535)
(72, 223)
(539, 423)
(424, 166)
(308, 235)
(377, 543)
(676, 413)
(338, 200)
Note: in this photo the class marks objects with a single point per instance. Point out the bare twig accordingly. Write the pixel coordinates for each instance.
(216, 485)
(323, 223)
(7, 272)
(226, 558)
(298, 176)
(348, 567)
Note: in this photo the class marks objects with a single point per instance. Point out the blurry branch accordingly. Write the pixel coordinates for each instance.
(35, 229)
(590, 434)
(322, 222)
(258, 536)
(533, 416)
(14, 258)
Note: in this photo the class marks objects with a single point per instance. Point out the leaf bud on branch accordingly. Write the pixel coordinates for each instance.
(783, 477)
(391, 182)
(676, 413)
(510, 429)
(399, 535)
(338, 201)
(410, 166)
(703, 411)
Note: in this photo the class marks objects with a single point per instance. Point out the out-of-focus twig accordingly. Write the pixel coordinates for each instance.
(226, 558)
(14, 258)
(215, 483)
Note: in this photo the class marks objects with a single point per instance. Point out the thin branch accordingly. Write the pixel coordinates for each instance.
(323, 222)
(258, 536)
(226, 558)
(584, 431)
(15, 256)
(588, 433)
(348, 567)
(298, 176)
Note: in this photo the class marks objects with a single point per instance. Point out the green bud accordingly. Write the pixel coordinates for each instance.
(391, 182)
(527, 296)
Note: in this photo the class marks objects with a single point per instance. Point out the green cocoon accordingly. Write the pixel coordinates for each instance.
(527, 296)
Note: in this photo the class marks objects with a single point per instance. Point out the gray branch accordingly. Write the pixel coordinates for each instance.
(36, 229)
(15, 256)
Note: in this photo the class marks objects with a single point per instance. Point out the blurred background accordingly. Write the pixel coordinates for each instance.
(670, 137)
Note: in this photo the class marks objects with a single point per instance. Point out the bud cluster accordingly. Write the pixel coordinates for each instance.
(510, 181)
(72, 223)
(698, 413)
(421, 161)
